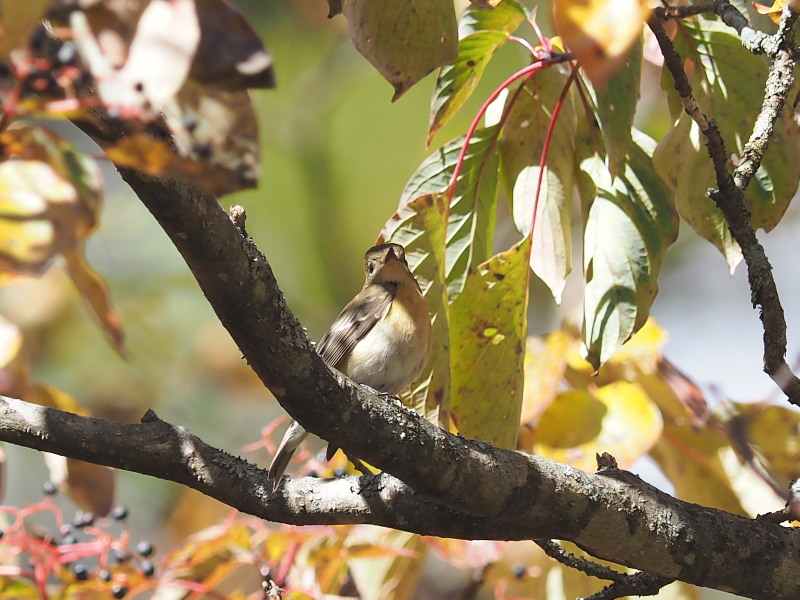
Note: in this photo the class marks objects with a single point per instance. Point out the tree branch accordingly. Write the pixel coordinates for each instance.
(729, 196)
(612, 515)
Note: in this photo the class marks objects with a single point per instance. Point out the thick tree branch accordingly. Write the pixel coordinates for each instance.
(729, 196)
(612, 515)
(156, 448)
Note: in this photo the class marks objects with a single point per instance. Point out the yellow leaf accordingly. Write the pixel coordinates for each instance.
(10, 342)
(618, 418)
(599, 33)
(773, 12)
(487, 336)
(545, 363)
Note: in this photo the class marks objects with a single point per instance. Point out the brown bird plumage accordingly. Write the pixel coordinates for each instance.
(381, 339)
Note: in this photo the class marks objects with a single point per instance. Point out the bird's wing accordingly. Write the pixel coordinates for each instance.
(355, 321)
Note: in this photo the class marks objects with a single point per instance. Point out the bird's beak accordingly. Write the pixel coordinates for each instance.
(392, 256)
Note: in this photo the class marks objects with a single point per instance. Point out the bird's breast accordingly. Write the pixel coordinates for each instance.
(395, 351)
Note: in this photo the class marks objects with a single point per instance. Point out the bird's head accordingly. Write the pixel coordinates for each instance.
(386, 263)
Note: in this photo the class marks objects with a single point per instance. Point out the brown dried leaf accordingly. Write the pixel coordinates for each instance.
(218, 128)
(94, 291)
(230, 55)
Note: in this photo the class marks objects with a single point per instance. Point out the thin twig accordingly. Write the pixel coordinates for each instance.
(624, 584)
(729, 196)
(682, 12)
(557, 552)
(636, 584)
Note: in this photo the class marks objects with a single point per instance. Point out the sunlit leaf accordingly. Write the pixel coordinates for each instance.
(210, 555)
(773, 12)
(95, 293)
(681, 160)
(472, 554)
(615, 103)
(482, 32)
(10, 342)
(137, 74)
(774, 431)
(521, 148)
(470, 227)
(545, 363)
(488, 326)
(404, 40)
(630, 225)
(689, 458)
(728, 85)
(618, 418)
(50, 197)
(599, 33)
(419, 226)
(394, 570)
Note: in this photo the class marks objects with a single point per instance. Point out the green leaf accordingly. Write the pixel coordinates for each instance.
(420, 226)
(630, 224)
(488, 326)
(471, 221)
(521, 151)
(403, 39)
(616, 107)
(688, 174)
(482, 32)
(728, 84)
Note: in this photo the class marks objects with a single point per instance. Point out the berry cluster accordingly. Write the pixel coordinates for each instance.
(40, 549)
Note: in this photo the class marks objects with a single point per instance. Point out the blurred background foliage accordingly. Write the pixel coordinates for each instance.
(336, 155)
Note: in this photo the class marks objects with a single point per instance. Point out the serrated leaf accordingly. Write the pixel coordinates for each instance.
(578, 425)
(94, 291)
(482, 32)
(488, 326)
(616, 107)
(419, 225)
(521, 148)
(403, 39)
(728, 85)
(630, 225)
(599, 33)
(470, 227)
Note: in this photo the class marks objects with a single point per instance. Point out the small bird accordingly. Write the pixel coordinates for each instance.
(382, 339)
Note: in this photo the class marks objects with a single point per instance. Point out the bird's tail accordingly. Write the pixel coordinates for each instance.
(290, 442)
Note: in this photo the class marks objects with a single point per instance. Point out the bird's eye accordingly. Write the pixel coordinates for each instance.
(370, 268)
